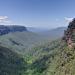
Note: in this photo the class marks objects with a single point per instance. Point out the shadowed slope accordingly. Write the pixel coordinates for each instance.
(11, 63)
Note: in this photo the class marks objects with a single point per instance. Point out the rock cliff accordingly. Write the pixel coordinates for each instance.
(69, 34)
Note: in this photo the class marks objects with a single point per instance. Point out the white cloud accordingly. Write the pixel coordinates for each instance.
(4, 19)
(68, 19)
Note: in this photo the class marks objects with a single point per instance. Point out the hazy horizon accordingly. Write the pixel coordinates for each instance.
(37, 13)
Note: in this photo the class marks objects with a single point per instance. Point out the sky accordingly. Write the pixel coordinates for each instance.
(37, 13)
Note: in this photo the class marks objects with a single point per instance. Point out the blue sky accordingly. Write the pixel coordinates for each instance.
(37, 13)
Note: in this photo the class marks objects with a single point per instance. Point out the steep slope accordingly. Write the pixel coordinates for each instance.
(69, 34)
(11, 63)
(43, 59)
(53, 58)
(49, 58)
(19, 41)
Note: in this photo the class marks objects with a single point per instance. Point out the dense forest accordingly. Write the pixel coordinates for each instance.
(52, 58)
(43, 58)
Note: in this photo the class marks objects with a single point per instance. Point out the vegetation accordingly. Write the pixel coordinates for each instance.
(53, 58)
(11, 63)
(50, 58)
(19, 55)
(19, 41)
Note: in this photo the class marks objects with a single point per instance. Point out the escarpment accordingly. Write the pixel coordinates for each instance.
(12, 28)
(69, 34)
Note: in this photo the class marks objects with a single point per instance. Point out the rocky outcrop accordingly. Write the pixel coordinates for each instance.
(69, 34)
(14, 28)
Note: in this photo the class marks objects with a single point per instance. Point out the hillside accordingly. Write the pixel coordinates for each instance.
(11, 63)
(20, 41)
(55, 33)
(47, 58)
(48, 33)
(52, 58)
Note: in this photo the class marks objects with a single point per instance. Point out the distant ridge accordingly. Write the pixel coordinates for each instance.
(13, 28)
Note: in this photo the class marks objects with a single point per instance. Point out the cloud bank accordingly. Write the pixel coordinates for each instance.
(67, 19)
(4, 19)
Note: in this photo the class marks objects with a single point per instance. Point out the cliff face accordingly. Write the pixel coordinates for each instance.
(13, 28)
(69, 34)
